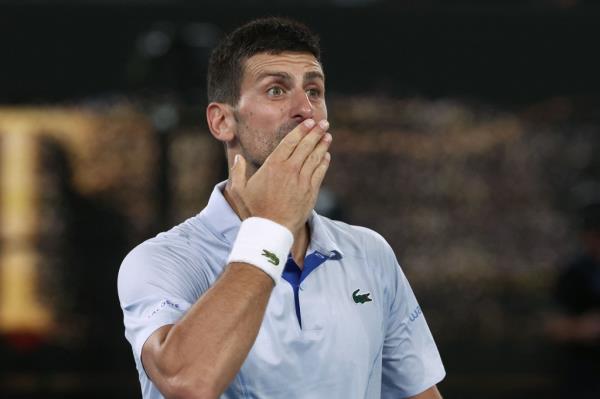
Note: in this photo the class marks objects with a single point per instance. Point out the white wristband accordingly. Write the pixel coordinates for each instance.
(264, 244)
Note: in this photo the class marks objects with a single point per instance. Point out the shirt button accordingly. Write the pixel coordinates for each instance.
(301, 288)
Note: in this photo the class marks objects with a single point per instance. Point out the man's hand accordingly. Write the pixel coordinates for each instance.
(285, 188)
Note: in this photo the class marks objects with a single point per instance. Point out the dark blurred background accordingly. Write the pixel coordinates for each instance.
(465, 132)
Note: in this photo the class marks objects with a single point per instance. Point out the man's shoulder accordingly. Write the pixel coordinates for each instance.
(184, 245)
(182, 258)
(176, 238)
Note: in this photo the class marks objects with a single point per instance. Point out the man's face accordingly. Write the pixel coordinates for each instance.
(278, 92)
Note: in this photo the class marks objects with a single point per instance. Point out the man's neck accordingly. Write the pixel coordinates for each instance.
(301, 236)
(300, 246)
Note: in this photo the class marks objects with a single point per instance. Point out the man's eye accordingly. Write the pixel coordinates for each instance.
(275, 91)
(313, 92)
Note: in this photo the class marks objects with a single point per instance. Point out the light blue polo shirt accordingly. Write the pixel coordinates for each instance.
(347, 326)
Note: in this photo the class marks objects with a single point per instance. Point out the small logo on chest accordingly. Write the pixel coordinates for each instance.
(361, 298)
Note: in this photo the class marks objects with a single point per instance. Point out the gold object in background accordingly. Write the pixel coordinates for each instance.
(20, 309)
(111, 157)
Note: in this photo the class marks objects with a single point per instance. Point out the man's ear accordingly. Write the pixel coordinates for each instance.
(221, 121)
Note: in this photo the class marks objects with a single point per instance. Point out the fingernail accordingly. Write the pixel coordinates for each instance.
(235, 159)
(309, 123)
(327, 137)
(324, 124)
(328, 156)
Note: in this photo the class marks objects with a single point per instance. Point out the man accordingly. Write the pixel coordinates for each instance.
(576, 329)
(206, 309)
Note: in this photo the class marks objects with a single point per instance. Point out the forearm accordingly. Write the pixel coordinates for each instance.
(580, 328)
(431, 393)
(206, 348)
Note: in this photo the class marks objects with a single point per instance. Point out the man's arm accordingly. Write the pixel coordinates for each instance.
(199, 355)
(431, 393)
(410, 359)
(584, 328)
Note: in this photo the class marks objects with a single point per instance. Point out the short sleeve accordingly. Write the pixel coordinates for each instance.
(153, 292)
(410, 360)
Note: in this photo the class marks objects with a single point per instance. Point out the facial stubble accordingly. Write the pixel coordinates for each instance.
(262, 144)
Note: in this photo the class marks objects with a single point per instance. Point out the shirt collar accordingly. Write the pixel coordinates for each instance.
(222, 220)
(321, 239)
(225, 223)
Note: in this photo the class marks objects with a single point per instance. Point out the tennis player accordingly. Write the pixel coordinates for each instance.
(258, 296)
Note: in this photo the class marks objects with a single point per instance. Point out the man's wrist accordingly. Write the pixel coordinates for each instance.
(264, 244)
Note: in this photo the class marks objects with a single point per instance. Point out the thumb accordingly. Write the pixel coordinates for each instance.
(238, 171)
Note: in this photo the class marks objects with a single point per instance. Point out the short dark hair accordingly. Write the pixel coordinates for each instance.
(272, 35)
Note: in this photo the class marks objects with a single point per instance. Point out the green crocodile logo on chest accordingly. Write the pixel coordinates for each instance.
(361, 298)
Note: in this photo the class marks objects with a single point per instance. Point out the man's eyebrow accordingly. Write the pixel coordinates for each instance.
(312, 75)
(272, 74)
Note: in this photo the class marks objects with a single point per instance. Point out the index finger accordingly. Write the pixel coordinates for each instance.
(287, 146)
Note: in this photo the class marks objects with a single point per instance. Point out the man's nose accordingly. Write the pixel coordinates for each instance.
(302, 107)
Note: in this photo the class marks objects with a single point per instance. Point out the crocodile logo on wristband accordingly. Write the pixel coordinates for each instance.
(272, 258)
